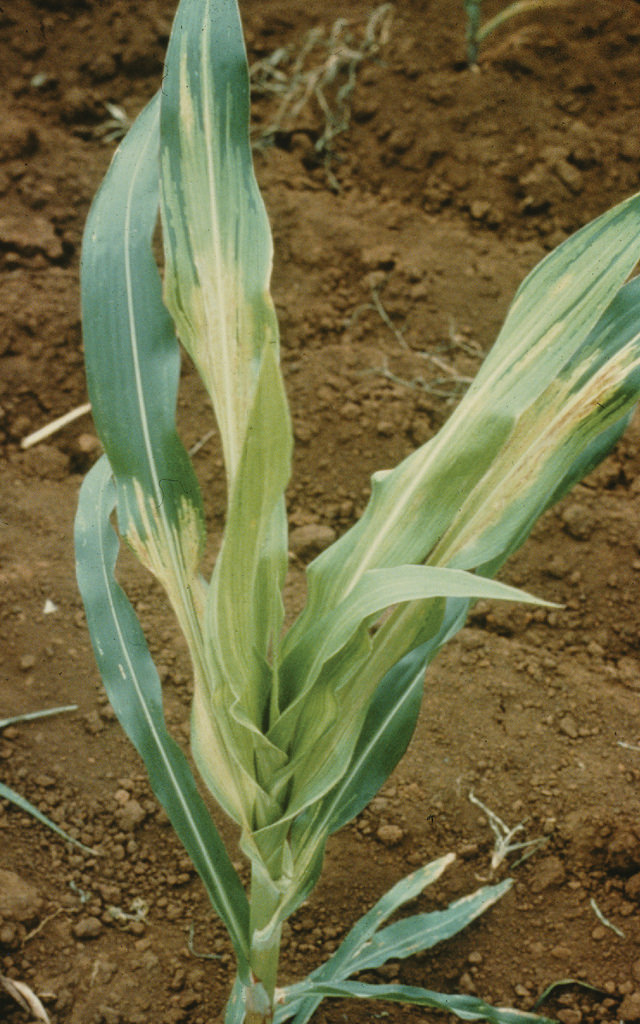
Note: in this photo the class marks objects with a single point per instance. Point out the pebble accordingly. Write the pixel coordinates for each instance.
(390, 835)
(549, 873)
(569, 1016)
(28, 235)
(569, 727)
(19, 901)
(578, 521)
(87, 928)
(131, 815)
(629, 1008)
(305, 542)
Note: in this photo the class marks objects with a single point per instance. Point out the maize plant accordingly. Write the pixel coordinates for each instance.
(293, 732)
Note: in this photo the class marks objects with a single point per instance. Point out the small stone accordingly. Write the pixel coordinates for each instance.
(578, 521)
(479, 209)
(19, 901)
(632, 887)
(569, 176)
(390, 835)
(629, 1008)
(28, 235)
(27, 661)
(130, 815)
(569, 1016)
(305, 542)
(87, 928)
(549, 873)
(561, 952)
(569, 727)
(8, 935)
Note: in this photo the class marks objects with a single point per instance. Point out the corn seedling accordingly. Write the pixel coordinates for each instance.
(477, 33)
(504, 836)
(294, 732)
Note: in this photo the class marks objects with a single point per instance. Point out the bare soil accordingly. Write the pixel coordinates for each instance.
(397, 254)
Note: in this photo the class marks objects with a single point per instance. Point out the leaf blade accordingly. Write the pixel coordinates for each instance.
(134, 690)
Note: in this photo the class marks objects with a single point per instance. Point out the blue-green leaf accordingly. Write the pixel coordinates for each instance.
(134, 689)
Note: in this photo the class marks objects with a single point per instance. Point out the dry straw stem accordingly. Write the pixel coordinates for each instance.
(52, 428)
(324, 68)
(25, 998)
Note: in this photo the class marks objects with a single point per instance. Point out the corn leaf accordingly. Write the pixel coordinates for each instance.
(559, 439)
(463, 1007)
(338, 687)
(368, 946)
(388, 726)
(218, 247)
(422, 931)
(413, 506)
(218, 255)
(133, 365)
(135, 693)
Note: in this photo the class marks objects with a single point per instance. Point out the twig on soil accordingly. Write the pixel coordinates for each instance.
(504, 836)
(628, 746)
(604, 920)
(415, 384)
(55, 426)
(452, 374)
(201, 443)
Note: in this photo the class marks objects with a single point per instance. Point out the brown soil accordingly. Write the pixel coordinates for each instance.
(447, 187)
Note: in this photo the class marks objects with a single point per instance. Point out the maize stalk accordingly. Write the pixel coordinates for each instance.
(294, 733)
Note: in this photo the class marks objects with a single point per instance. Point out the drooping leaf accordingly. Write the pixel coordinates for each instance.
(464, 1007)
(555, 309)
(135, 693)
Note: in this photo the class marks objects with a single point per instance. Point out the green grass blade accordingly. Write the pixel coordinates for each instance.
(133, 687)
(30, 716)
(6, 793)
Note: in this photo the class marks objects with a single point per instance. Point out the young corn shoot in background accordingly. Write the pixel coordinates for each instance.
(294, 733)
